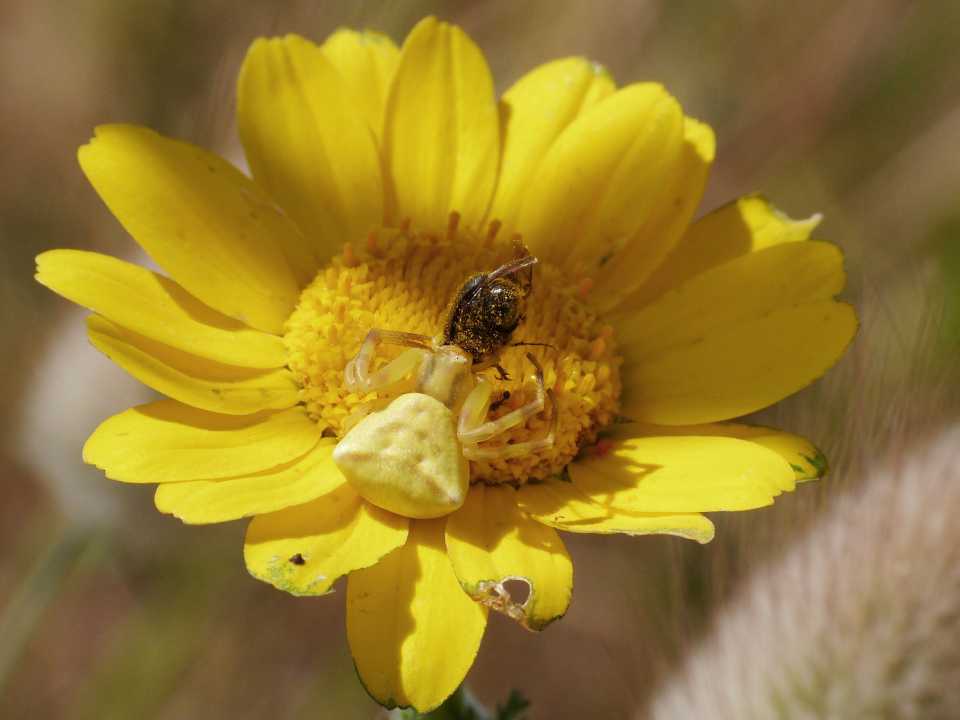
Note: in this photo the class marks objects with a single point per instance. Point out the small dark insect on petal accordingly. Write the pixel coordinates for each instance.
(298, 559)
(500, 401)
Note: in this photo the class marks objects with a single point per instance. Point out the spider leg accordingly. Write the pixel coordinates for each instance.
(474, 452)
(357, 374)
(472, 429)
(364, 409)
(475, 408)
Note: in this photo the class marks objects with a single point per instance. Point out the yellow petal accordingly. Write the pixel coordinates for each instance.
(682, 474)
(303, 550)
(366, 61)
(748, 287)
(213, 501)
(166, 441)
(534, 112)
(307, 143)
(739, 369)
(490, 542)
(736, 338)
(745, 226)
(600, 181)
(665, 224)
(563, 505)
(806, 460)
(156, 307)
(441, 134)
(201, 219)
(413, 632)
(193, 380)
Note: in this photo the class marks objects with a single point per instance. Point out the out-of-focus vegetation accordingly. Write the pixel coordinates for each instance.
(108, 610)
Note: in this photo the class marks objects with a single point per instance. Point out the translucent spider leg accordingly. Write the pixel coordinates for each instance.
(474, 452)
(358, 378)
(472, 429)
(357, 373)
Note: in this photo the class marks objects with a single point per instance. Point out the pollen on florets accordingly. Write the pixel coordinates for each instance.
(398, 280)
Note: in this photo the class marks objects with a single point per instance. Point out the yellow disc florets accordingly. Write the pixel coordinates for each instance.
(398, 280)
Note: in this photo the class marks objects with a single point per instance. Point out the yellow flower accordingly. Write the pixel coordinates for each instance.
(382, 179)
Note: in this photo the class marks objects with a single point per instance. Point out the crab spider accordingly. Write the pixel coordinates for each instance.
(409, 452)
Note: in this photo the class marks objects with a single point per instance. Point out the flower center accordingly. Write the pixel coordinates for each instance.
(399, 280)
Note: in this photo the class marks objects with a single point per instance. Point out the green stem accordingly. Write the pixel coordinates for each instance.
(37, 590)
(462, 705)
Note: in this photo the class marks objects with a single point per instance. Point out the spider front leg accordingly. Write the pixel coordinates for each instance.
(360, 380)
(357, 374)
(473, 428)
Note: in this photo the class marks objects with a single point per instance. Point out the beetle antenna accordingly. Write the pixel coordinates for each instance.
(532, 344)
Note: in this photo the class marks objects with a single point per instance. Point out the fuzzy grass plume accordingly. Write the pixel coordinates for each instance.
(859, 620)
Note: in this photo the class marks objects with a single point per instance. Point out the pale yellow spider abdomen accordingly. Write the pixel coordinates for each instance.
(407, 458)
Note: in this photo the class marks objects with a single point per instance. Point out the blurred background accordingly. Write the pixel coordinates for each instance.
(108, 610)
